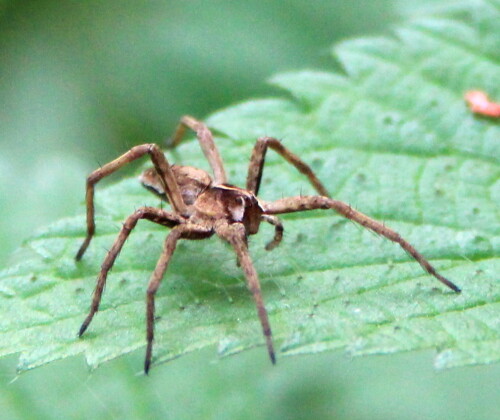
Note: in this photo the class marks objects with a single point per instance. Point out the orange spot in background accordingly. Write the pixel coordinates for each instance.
(480, 103)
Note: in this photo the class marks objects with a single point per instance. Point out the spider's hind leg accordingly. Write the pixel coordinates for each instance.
(303, 203)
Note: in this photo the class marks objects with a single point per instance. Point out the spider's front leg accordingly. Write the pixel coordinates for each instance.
(256, 169)
(235, 234)
(258, 158)
(162, 168)
(153, 214)
(302, 203)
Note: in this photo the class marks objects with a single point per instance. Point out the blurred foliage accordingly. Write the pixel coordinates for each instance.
(324, 386)
(84, 80)
(141, 64)
(81, 82)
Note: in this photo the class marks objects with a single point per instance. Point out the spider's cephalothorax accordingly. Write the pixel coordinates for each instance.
(203, 206)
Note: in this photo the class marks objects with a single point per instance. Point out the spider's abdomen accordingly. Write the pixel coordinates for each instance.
(192, 182)
(232, 204)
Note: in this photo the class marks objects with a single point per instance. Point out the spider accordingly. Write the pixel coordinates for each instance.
(203, 206)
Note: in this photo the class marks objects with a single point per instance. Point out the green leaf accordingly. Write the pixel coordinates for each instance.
(392, 137)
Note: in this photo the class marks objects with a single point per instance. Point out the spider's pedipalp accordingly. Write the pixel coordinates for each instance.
(278, 231)
(303, 203)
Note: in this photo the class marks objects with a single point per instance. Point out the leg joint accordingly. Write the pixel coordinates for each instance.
(266, 140)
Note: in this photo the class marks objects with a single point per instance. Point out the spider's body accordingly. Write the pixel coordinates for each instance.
(208, 203)
(203, 206)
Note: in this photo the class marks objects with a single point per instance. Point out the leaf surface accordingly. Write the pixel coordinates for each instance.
(392, 137)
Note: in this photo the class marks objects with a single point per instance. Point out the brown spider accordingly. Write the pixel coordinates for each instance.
(202, 206)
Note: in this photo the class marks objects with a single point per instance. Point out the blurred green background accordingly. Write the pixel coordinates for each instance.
(82, 81)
